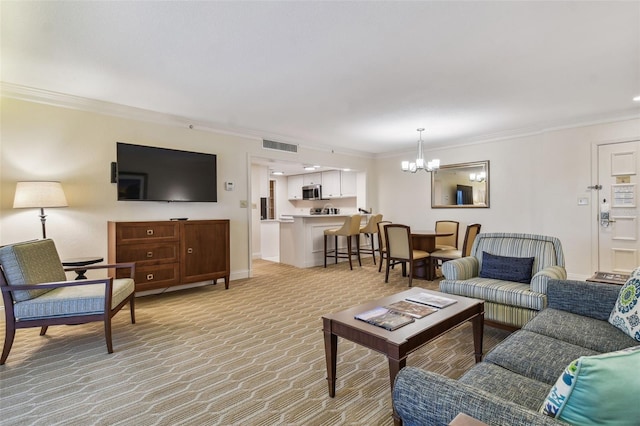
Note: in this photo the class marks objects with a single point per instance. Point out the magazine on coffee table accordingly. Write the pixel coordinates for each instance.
(412, 309)
(385, 318)
(432, 300)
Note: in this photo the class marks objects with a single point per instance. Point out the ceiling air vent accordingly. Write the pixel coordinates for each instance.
(279, 146)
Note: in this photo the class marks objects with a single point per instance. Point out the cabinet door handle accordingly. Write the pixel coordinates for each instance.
(149, 231)
(149, 277)
(149, 254)
(189, 250)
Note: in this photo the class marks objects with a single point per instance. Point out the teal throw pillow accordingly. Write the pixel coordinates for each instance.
(517, 269)
(626, 312)
(598, 390)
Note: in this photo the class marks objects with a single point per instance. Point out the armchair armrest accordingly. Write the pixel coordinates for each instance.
(540, 280)
(424, 398)
(461, 269)
(594, 300)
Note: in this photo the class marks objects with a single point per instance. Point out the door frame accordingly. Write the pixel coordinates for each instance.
(595, 197)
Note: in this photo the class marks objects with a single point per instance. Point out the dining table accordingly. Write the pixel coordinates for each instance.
(426, 240)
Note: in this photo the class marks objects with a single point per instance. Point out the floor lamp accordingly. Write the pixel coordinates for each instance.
(39, 195)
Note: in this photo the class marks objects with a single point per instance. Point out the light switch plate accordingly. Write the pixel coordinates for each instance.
(583, 201)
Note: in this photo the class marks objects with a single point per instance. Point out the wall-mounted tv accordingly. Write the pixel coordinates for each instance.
(146, 173)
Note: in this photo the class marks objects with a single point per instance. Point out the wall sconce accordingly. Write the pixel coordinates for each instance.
(478, 177)
(420, 164)
(39, 195)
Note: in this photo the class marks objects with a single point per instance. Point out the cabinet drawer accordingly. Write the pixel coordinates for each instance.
(141, 232)
(148, 253)
(157, 276)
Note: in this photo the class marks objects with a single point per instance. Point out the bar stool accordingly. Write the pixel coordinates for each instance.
(350, 228)
(370, 229)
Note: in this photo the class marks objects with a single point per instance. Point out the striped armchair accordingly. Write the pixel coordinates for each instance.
(508, 304)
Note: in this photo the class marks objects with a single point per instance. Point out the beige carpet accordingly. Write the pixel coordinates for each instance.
(250, 355)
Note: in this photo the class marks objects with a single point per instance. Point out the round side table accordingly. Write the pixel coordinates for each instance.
(81, 261)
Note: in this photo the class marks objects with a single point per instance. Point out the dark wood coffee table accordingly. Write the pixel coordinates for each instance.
(398, 344)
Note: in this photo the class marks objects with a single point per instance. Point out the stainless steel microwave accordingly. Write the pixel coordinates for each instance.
(312, 192)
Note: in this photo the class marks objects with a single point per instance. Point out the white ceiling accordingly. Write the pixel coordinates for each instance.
(346, 75)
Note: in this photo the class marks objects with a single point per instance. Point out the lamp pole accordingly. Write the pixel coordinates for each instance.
(43, 219)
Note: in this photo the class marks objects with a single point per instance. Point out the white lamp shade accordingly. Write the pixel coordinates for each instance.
(39, 194)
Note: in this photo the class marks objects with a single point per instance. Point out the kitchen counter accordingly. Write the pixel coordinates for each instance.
(302, 239)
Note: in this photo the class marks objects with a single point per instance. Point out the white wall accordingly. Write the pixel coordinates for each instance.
(535, 184)
(44, 142)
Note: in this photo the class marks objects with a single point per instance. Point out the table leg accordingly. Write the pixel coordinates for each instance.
(395, 365)
(478, 330)
(330, 352)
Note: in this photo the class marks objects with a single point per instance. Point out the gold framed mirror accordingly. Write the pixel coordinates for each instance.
(463, 185)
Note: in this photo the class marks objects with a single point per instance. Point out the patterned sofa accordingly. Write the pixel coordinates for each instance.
(512, 383)
(535, 259)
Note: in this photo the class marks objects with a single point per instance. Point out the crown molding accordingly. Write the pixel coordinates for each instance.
(629, 114)
(64, 100)
(47, 97)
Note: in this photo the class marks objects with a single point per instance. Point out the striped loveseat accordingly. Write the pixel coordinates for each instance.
(507, 303)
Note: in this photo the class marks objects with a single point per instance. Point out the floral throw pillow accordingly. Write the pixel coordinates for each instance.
(626, 312)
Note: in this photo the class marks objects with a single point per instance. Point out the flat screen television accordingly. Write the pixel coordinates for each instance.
(146, 173)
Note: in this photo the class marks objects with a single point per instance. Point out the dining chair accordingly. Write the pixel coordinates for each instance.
(369, 230)
(450, 242)
(382, 241)
(400, 250)
(470, 235)
(350, 229)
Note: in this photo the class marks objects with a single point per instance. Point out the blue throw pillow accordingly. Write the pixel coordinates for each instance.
(516, 269)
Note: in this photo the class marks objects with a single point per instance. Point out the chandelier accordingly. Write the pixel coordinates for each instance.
(420, 164)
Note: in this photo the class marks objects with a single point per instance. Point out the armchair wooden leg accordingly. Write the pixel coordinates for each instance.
(358, 249)
(132, 299)
(325, 251)
(107, 332)
(9, 334)
(349, 251)
(43, 330)
(335, 248)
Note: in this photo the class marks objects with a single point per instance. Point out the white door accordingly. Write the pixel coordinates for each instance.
(618, 236)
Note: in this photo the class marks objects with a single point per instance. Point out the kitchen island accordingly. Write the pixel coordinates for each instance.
(302, 239)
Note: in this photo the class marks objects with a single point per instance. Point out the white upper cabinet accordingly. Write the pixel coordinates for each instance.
(294, 187)
(312, 179)
(331, 184)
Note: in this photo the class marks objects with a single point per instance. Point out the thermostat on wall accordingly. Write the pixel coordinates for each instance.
(228, 186)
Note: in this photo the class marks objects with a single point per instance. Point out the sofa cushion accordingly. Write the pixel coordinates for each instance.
(516, 269)
(594, 300)
(73, 301)
(626, 312)
(498, 291)
(31, 262)
(568, 327)
(597, 390)
(538, 357)
(506, 384)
